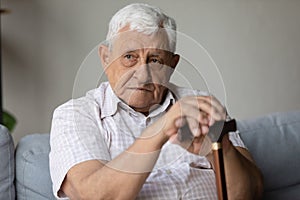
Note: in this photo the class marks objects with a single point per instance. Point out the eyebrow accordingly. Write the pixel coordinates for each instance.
(160, 53)
(129, 50)
(153, 52)
(156, 52)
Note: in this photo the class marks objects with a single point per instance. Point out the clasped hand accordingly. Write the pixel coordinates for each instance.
(187, 122)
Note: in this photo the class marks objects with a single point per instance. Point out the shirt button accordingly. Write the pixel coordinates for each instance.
(168, 171)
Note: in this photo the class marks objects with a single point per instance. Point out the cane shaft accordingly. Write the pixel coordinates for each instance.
(220, 171)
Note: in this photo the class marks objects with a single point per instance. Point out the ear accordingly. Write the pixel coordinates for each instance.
(175, 59)
(103, 53)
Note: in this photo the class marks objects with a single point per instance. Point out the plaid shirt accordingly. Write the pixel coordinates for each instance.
(99, 126)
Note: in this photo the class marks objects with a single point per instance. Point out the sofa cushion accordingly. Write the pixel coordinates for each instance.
(7, 166)
(32, 168)
(274, 140)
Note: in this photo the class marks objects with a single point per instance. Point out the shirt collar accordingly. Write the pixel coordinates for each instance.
(110, 103)
(169, 100)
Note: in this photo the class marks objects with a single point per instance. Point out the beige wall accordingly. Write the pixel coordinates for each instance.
(255, 44)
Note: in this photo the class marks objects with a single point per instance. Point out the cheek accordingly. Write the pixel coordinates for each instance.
(111, 76)
(116, 74)
(122, 78)
(162, 75)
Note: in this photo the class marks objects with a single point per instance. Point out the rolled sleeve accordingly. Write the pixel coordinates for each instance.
(236, 140)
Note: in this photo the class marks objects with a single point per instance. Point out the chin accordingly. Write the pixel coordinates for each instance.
(140, 101)
(139, 105)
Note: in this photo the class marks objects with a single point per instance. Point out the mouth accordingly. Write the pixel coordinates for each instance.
(141, 89)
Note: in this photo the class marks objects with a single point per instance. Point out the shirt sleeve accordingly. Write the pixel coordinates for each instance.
(75, 137)
(236, 140)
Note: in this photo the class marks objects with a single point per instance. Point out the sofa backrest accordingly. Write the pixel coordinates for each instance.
(274, 142)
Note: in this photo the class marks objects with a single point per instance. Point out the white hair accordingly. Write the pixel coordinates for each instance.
(145, 19)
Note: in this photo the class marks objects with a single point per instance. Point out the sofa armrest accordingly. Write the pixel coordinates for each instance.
(32, 168)
(7, 166)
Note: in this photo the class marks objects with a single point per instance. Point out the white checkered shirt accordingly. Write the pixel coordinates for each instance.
(99, 126)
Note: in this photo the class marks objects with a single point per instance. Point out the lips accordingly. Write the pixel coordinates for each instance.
(148, 87)
(142, 89)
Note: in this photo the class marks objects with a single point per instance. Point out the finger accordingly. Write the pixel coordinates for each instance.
(177, 116)
(171, 131)
(197, 143)
(184, 134)
(208, 105)
(197, 120)
(217, 106)
(180, 122)
(205, 146)
(215, 102)
(204, 129)
(211, 121)
(194, 126)
(203, 104)
(175, 139)
(197, 128)
(190, 110)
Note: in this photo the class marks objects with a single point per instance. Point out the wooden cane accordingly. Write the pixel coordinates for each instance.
(226, 127)
(220, 170)
(216, 133)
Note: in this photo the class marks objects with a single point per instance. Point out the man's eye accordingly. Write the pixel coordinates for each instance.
(129, 60)
(154, 60)
(128, 57)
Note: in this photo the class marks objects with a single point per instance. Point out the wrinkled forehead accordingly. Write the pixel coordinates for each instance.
(127, 41)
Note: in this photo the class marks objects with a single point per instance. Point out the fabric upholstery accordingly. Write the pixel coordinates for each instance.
(32, 168)
(274, 140)
(7, 189)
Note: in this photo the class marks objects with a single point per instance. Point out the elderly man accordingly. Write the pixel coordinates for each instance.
(123, 140)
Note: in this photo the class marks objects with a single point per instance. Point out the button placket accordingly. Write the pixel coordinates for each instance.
(147, 121)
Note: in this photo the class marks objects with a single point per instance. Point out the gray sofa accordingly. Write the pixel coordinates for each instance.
(273, 140)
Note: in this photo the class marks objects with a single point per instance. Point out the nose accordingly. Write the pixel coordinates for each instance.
(143, 74)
